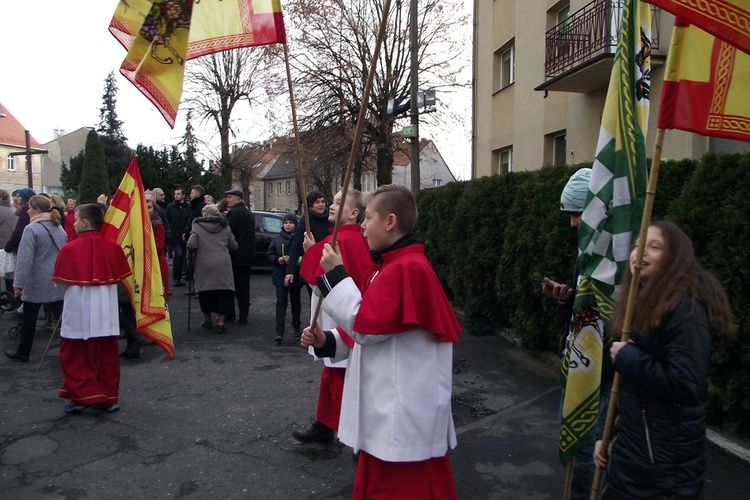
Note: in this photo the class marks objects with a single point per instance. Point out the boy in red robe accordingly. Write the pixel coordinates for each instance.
(357, 262)
(90, 267)
(396, 406)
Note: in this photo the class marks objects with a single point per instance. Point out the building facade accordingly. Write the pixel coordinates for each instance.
(14, 172)
(541, 71)
(60, 150)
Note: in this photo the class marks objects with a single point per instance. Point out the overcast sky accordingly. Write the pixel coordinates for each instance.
(55, 56)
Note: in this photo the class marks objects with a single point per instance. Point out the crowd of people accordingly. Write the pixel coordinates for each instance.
(379, 321)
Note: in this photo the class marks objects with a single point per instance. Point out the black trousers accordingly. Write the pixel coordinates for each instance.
(283, 296)
(241, 291)
(28, 323)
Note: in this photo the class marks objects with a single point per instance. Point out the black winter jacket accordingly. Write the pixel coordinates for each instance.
(177, 216)
(319, 226)
(242, 224)
(660, 447)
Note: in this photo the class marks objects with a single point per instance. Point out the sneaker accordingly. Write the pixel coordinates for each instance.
(278, 339)
(316, 433)
(71, 407)
(178, 283)
(108, 407)
(220, 329)
(207, 325)
(242, 321)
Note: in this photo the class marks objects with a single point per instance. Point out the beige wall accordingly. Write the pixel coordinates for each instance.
(522, 118)
(19, 178)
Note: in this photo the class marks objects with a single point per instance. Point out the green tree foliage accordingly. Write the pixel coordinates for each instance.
(116, 150)
(94, 172)
(538, 242)
(70, 176)
(168, 169)
(712, 209)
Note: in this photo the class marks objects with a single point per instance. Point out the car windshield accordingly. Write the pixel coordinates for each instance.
(272, 224)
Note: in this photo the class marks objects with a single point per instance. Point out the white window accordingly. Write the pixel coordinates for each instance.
(11, 163)
(506, 161)
(269, 188)
(504, 66)
(288, 187)
(437, 182)
(278, 188)
(507, 68)
(559, 149)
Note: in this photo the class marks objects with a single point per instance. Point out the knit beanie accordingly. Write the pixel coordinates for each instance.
(312, 196)
(290, 216)
(26, 193)
(573, 197)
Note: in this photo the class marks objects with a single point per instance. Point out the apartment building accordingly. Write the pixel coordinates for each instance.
(541, 71)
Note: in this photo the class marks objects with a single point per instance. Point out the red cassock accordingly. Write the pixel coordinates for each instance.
(91, 368)
(411, 293)
(354, 252)
(405, 296)
(91, 260)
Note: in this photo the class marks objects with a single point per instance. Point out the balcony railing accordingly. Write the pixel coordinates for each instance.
(587, 33)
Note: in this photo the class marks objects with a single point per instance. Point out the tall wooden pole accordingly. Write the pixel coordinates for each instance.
(358, 131)
(632, 292)
(414, 105)
(297, 147)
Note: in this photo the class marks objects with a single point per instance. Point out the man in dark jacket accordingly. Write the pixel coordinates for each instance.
(197, 202)
(178, 213)
(242, 224)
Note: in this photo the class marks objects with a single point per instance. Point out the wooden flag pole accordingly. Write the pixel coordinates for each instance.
(44, 355)
(297, 147)
(569, 478)
(632, 292)
(358, 133)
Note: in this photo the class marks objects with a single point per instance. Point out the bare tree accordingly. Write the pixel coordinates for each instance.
(219, 82)
(334, 42)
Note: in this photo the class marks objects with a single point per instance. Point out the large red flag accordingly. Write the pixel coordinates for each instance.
(705, 85)
(160, 35)
(726, 19)
(127, 223)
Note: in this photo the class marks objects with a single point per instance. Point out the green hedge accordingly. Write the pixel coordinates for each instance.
(492, 240)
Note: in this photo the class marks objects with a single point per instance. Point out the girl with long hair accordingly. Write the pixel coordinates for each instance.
(659, 450)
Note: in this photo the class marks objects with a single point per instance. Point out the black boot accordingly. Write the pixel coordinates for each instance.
(316, 433)
(133, 348)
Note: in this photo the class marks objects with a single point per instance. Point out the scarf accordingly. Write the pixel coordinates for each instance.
(39, 217)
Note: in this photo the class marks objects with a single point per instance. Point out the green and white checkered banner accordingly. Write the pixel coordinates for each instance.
(611, 218)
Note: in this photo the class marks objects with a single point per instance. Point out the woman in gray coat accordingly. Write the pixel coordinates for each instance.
(212, 240)
(41, 241)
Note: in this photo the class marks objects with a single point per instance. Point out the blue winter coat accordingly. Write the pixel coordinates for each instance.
(281, 245)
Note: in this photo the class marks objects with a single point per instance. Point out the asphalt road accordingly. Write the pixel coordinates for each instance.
(215, 422)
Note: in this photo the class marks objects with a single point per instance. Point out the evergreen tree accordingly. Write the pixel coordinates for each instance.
(116, 151)
(70, 176)
(94, 172)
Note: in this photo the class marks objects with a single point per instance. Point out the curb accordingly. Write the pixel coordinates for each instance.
(728, 446)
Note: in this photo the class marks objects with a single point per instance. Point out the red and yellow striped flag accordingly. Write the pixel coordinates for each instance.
(160, 35)
(705, 85)
(726, 19)
(127, 223)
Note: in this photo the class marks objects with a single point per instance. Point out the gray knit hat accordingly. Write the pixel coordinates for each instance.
(573, 197)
